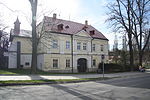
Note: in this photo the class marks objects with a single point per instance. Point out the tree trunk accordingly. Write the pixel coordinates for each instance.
(140, 58)
(34, 36)
(131, 51)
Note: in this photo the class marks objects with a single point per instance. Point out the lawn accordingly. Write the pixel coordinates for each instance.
(14, 71)
(28, 72)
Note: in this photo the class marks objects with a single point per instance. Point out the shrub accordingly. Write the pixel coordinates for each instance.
(111, 67)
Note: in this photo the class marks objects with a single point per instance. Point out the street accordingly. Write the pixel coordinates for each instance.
(128, 88)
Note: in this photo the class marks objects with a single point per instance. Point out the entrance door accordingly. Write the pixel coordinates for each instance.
(82, 65)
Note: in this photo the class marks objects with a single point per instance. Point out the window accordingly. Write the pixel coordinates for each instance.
(27, 63)
(93, 47)
(84, 46)
(102, 47)
(78, 45)
(55, 63)
(67, 44)
(94, 62)
(67, 62)
(55, 44)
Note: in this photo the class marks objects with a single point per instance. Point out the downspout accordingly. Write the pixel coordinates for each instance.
(18, 54)
(72, 51)
(91, 53)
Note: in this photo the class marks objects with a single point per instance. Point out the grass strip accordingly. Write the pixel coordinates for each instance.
(39, 72)
(51, 81)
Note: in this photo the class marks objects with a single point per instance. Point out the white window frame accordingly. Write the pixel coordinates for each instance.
(67, 63)
(78, 45)
(84, 46)
(94, 62)
(102, 47)
(93, 47)
(54, 44)
(67, 44)
(55, 64)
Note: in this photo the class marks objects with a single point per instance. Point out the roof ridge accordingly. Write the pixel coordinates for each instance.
(67, 20)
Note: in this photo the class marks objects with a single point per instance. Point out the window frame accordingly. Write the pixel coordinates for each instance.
(67, 63)
(78, 45)
(102, 47)
(54, 44)
(55, 64)
(84, 46)
(67, 44)
(94, 62)
(93, 47)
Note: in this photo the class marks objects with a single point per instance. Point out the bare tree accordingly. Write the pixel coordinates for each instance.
(120, 16)
(4, 42)
(140, 16)
(34, 35)
(130, 15)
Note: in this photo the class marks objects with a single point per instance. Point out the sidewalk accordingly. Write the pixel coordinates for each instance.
(65, 76)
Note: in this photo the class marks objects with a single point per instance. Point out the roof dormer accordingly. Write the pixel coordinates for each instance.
(60, 26)
(92, 32)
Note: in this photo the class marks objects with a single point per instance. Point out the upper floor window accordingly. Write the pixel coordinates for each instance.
(67, 44)
(55, 63)
(84, 46)
(102, 47)
(55, 43)
(67, 62)
(93, 47)
(78, 45)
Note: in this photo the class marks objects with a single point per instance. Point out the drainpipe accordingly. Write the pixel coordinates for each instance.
(91, 53)
(18, 54)
(72, 51)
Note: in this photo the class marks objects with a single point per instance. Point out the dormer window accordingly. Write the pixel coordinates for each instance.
(60, 27)
(84, 28)
(67, 26)
(92, 32)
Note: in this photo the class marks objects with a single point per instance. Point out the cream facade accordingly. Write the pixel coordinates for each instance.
(62, 52)
(63, 47)
(25, 53)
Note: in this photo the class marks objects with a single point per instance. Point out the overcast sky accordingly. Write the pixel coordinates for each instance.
(75, 10)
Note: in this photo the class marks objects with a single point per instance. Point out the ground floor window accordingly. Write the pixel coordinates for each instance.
(67, 62)
(55, 63)
(94, 62)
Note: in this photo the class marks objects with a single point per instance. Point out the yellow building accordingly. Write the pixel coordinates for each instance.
(66, 46)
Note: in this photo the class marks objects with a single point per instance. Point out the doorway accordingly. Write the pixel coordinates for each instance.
(82, 65)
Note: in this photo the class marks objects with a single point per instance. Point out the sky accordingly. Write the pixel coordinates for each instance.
(74, 10)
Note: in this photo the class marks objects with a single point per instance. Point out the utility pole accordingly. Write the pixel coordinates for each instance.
(34, 36)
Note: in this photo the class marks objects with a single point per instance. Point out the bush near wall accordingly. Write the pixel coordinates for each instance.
(112, 67)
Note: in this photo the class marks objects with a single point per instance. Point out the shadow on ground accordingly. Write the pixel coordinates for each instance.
(142, 81)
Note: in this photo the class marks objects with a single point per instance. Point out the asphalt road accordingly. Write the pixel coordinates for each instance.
(133, 88)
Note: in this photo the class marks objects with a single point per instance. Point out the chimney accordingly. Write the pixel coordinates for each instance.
(17, 27)
(86, 22)
(54, 16)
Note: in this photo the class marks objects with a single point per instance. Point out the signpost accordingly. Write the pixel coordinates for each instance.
(103, 57)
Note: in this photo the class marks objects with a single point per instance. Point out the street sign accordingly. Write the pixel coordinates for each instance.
(102, 56)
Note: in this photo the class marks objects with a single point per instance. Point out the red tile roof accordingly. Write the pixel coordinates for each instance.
(70, 27)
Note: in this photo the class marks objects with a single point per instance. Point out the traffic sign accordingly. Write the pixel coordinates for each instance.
(103, 56)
